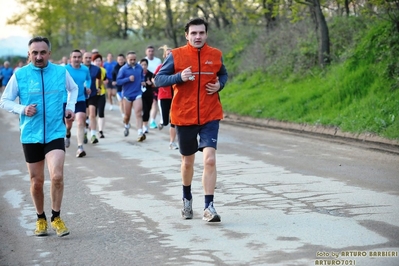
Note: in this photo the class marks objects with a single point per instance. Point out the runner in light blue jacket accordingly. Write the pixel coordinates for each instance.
(40, 87)
(45, 88)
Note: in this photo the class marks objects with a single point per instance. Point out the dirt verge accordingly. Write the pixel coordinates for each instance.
(367, 140)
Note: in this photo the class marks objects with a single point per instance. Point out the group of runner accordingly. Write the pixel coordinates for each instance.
(48, 92)
(131, 82)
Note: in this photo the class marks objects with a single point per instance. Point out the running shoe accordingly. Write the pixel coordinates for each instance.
(59, 226)
(210, 214)
(85, 138)
(101, 134)
(94, 139)
(111, 108)
(141, 137)
(187, 211)
(80, 152)
(67, 142)
(41, 227)
(173, 146)
(153, 125)
(160, 126)
(126, 131)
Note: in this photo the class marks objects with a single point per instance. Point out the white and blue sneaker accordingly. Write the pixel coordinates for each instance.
(210, 214)
(187, 211)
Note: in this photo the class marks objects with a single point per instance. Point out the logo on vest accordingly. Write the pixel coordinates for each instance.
(34, 86)
(207, 62)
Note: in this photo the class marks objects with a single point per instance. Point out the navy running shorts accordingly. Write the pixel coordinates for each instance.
(133, 98)
(109, 85)
(36, 152)
(80, 107)
(188, 137)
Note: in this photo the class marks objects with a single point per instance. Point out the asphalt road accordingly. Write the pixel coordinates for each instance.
(284, 199)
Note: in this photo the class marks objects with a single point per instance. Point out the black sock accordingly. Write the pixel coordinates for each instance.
(187, 192)
(68, 135)
(55, 214)
(42, 216)
(208, 199)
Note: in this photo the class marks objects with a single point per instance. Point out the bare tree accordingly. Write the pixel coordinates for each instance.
(323, 36)
(268, 8)
(171, 31)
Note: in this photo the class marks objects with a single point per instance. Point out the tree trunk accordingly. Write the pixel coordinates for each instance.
(222, 10)
(170, 28)
(211, 11)
(347, 7)
(268, 13)
(125, 19)
(323, 35)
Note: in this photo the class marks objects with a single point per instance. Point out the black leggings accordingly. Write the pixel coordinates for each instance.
(164, 109)
(147, 103)
(101, 106)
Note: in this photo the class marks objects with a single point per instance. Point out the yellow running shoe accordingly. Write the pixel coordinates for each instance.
(41, 227)
(59, 226)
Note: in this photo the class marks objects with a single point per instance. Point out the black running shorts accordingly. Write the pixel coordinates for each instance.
(92, 100)
(36, 152)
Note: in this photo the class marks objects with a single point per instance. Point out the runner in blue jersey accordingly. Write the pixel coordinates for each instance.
(92, 101)
(109, 66)
(131, 78)
(81, 75)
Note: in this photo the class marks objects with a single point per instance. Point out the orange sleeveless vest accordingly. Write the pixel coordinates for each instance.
(191, 105)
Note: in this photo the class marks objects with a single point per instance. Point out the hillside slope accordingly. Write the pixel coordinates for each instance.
(359, 95)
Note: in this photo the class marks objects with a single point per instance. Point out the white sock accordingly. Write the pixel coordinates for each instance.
(101, 123)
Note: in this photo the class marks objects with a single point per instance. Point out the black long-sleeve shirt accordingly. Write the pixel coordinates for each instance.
(115, 74)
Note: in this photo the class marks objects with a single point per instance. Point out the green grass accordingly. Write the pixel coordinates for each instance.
(358, 95)
(355, 101)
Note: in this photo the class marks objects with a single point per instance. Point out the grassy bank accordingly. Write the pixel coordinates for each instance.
(359, 95)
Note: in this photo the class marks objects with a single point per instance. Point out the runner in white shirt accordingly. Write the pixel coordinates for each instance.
(153, 63)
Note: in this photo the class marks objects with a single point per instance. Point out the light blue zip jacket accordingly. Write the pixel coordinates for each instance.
(44, 87)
